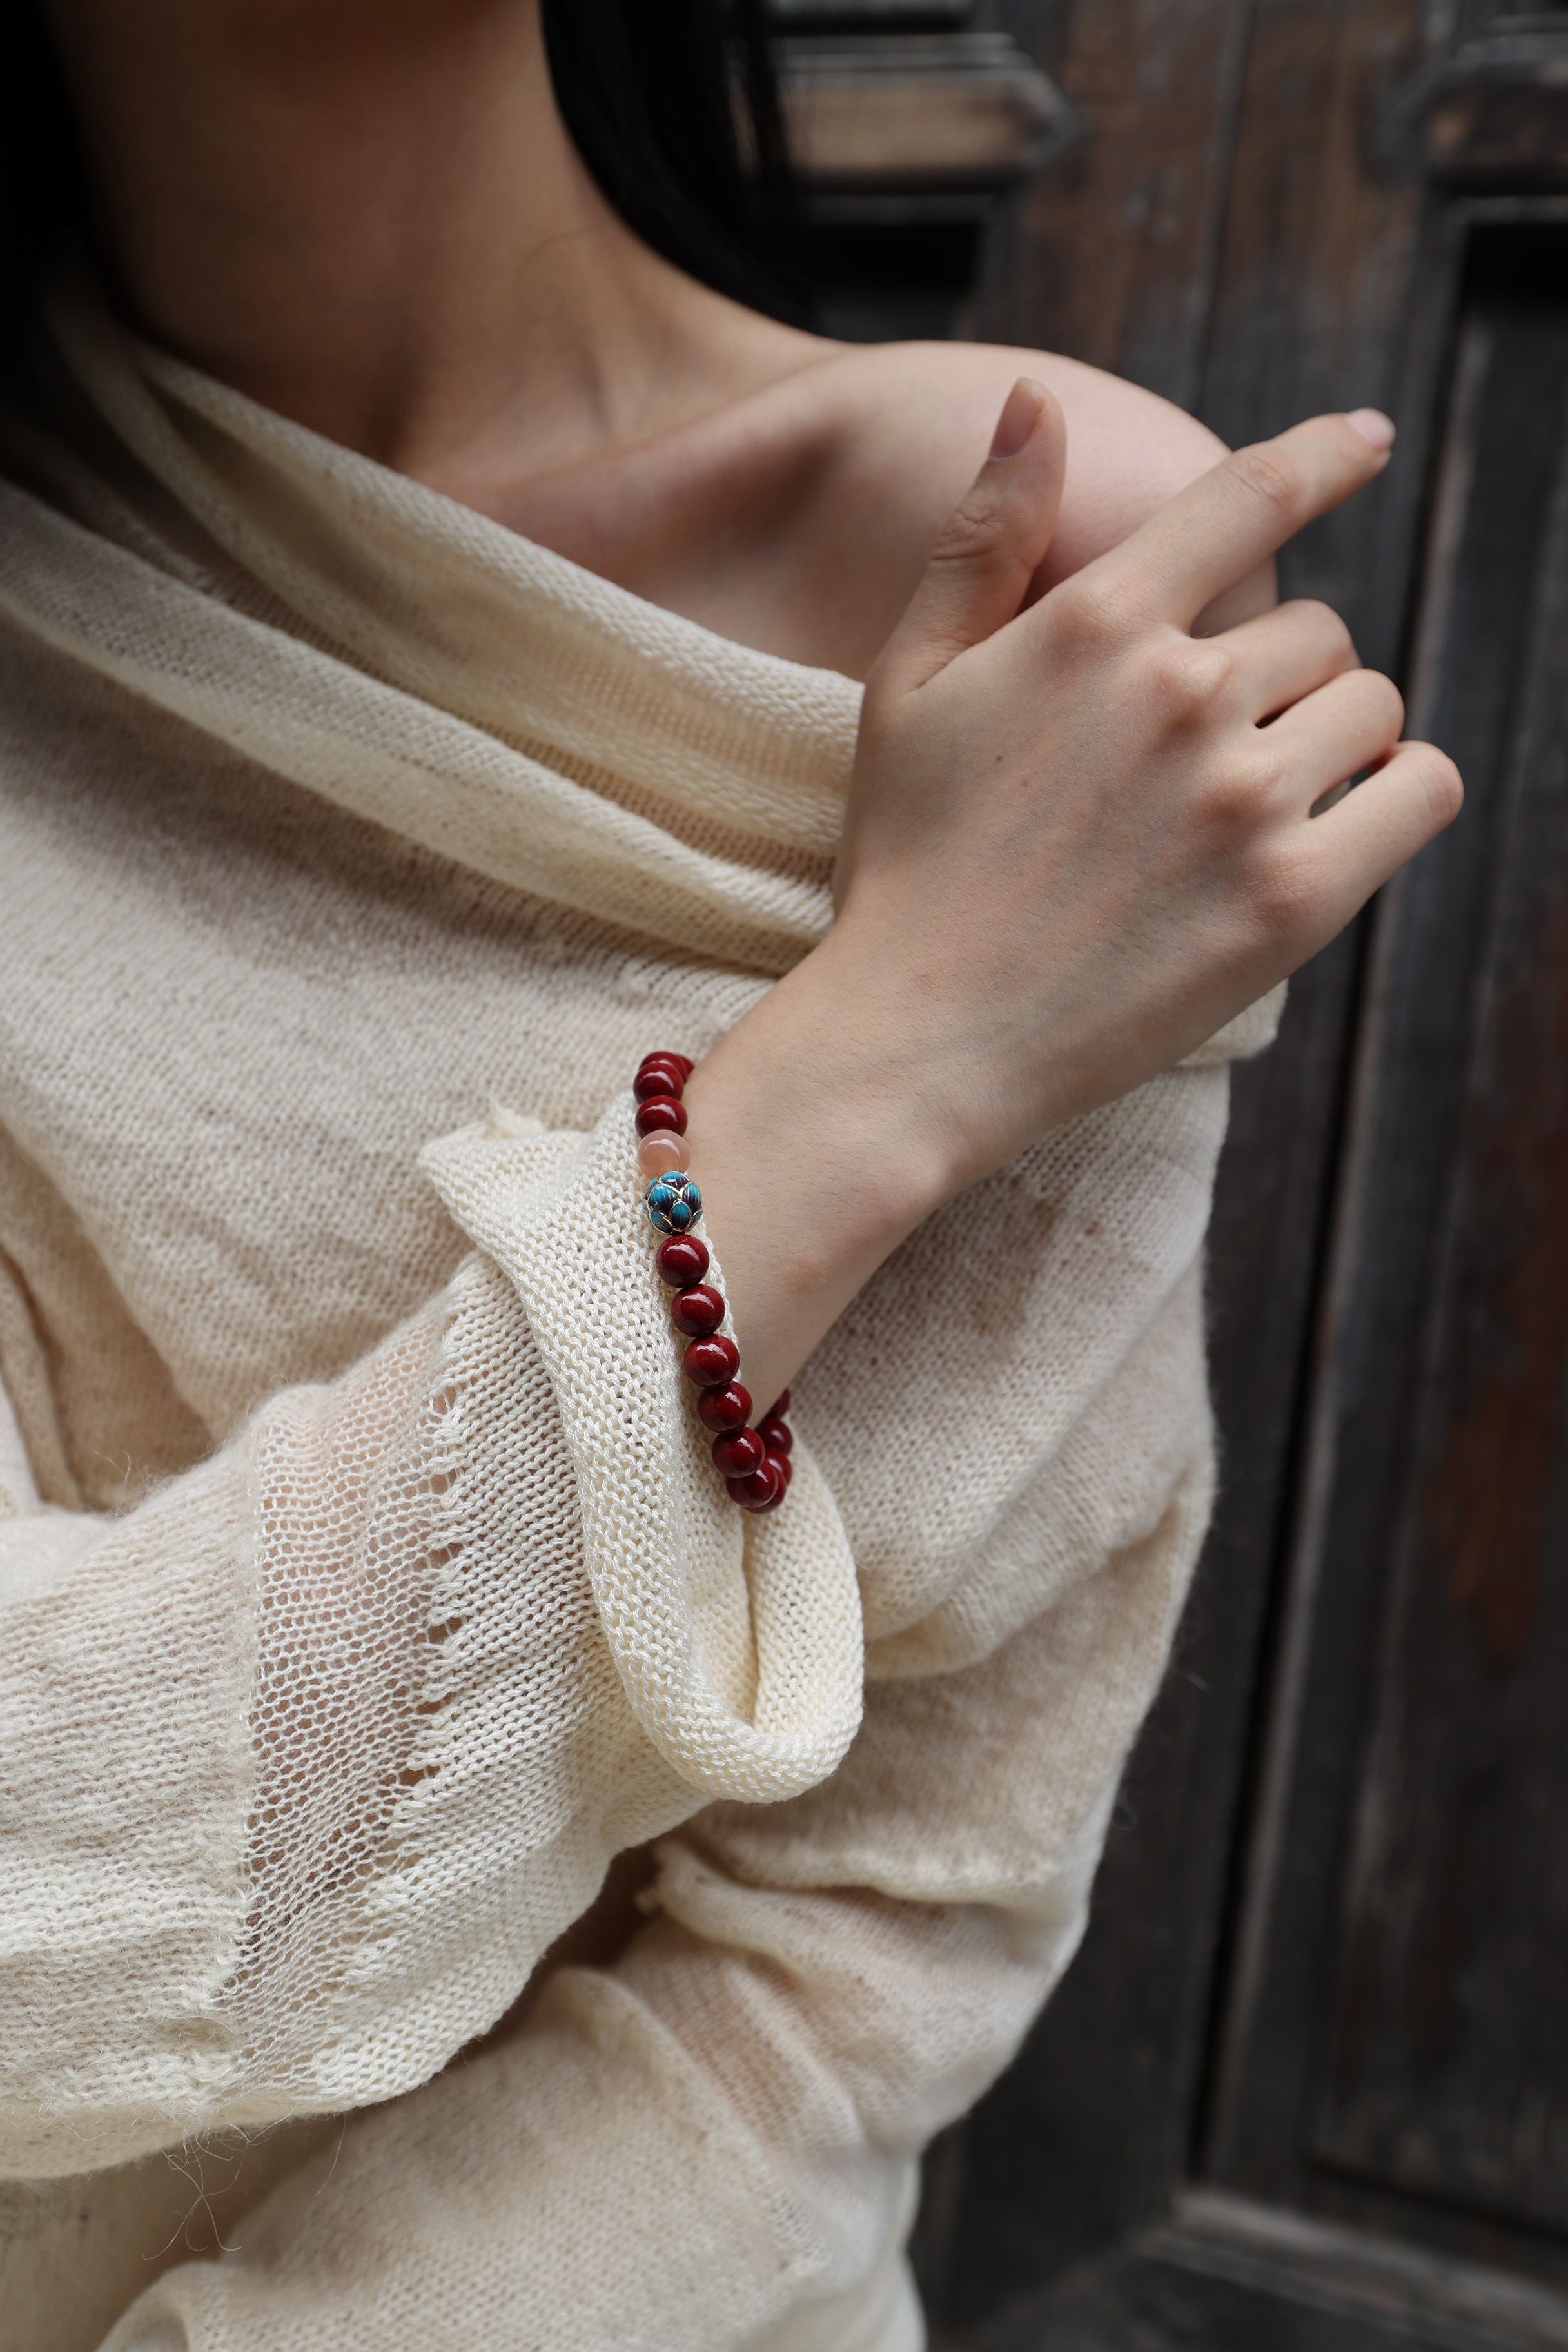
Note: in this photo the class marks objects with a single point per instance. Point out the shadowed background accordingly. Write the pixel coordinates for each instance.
(1306, 2087)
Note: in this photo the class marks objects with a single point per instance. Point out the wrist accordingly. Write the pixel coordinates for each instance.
(817, 1155)
(812, 1079)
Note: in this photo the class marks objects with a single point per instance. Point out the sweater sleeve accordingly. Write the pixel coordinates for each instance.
(310, 1756)
(711, 2145)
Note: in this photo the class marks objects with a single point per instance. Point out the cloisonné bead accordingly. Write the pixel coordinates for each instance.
(681, 1262)
(673, 1202)
(697, 1311)
(725, 1409)
(662, 1151)
(754, 1462)
(661, 1110)
(711, 1363)
(739, 1453)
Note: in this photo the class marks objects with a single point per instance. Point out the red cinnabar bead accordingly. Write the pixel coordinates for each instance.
(760, 1491)
(712, 1363)
(739, 1453)
(755, 1463)
(725, 1409)
(682, 1261)
(779, 1407)
(661, 1110)
(699, 1310)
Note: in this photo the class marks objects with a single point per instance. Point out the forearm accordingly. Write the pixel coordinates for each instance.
(715, 2134)
(438, 1607)
(817, 1150)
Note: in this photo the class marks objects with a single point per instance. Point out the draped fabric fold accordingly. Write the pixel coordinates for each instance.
(365, 1585)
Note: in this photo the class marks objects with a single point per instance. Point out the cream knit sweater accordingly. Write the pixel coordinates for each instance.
(364, 1586)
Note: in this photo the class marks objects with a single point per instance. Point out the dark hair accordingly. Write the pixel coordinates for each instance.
(673, 105)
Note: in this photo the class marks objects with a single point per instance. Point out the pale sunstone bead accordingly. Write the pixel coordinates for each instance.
(661, 1150)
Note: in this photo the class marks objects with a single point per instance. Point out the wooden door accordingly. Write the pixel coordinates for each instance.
(1307, 2085)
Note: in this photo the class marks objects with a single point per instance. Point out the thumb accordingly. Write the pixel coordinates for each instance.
(991, 546)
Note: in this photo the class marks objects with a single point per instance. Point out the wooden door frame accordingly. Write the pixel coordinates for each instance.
(1068, 2211)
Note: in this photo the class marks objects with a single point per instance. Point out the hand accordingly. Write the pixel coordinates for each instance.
(1080, 839)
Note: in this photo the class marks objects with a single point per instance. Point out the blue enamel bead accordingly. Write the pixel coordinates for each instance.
(673, 1202)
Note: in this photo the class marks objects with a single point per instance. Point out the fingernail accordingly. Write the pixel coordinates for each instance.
(1373, 426)
(1020, 415)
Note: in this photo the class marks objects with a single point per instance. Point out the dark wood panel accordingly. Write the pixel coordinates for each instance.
(1329, 275)
(1495, 113)
(1093, 2132)
(1110, 259)
(1450, 2034)
(1319, 271)
(911, 112)
(1090, 2132)
(1488, 541)
(1228, 2276)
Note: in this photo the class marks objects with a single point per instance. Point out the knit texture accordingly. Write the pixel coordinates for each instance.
(366, 1586)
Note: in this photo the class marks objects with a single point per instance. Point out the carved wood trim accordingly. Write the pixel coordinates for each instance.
(871, 112)
(1494, 115)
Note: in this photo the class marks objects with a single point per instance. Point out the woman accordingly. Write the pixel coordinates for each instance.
(431, 622)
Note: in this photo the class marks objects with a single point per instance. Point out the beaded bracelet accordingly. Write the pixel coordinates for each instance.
(755, 1463)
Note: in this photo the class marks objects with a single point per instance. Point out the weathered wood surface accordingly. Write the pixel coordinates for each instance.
(1093, 2130)
(1495, 113)
(914, 108)
(1451, 2024)
(1111, 257)
(1228, 2276)
(1443, 2032)
(1325, 1962)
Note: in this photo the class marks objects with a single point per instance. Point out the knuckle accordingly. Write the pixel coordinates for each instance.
(975, 532)
(1328, 627)
(1268, 480)
(1191, 681)
(1092, 611)
(1385, 702)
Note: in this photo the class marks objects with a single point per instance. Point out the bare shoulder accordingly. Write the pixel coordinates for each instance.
(798, 514)
(917, 420)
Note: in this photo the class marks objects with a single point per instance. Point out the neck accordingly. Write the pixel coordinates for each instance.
(368, 215)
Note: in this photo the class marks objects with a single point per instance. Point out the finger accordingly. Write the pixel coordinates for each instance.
(1219, 528)
(1373, 831)
(1330, 735)
(989, 550)
(1284, 655)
